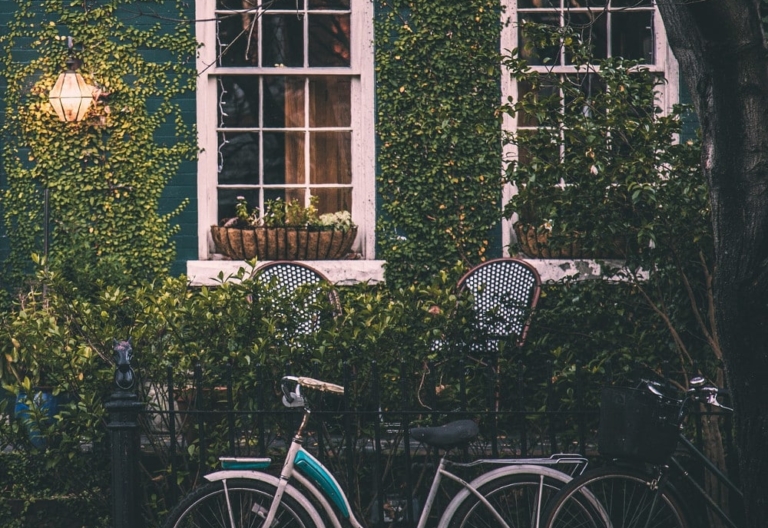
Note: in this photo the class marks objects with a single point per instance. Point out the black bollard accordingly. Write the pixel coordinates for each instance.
(123, 427)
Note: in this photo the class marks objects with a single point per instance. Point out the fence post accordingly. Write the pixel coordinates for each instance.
(123, 428)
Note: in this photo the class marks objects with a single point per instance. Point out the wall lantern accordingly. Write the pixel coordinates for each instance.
(71, 97)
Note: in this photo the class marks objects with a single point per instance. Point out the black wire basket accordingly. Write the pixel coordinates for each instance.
(637, 425)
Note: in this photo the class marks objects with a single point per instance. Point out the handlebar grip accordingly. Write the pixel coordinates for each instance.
(320, 385)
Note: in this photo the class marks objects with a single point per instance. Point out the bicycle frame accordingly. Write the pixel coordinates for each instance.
(317, 480)
(313, 475)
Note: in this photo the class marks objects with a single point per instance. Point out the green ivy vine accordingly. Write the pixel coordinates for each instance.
(106, 173)
(439, 180)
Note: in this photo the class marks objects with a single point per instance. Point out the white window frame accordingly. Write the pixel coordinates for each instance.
(668, 96)
(363, 136)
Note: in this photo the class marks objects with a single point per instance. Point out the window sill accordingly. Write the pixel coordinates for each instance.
(343, 272)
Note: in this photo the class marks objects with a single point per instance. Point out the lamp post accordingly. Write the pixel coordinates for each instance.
(70, 97)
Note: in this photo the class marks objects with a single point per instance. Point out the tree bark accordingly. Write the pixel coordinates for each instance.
(723, 59)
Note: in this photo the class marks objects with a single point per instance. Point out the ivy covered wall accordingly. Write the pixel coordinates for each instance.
(439, 141)
(6, 13)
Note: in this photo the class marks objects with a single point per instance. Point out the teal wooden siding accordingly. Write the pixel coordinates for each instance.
(184, 184)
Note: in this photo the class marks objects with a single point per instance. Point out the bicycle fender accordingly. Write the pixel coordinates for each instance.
(522, 469)
(272, 481)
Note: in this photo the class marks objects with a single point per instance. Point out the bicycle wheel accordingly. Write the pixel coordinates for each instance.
(626, 500)
(520, 499)
(248, 501)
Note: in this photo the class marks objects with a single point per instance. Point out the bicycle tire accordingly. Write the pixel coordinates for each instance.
(625, 498)
(250, 499)
(520, 498)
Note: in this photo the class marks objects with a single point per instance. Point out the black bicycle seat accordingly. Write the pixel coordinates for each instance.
(447, 436)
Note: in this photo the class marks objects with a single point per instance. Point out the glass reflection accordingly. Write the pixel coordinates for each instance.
(329, 102)
(283, 158)
(283, 102)
(328, 4)
(329, 40)
(227, 199)
(593, 30)
(530, 4)
(238, 157)
(546, 90)
(283, 41)
(238, 101)
(331, 200)
(330, 157)
(529, 51)
(238, 40)
(633, 36)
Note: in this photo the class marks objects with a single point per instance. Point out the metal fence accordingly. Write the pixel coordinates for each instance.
(364, 435)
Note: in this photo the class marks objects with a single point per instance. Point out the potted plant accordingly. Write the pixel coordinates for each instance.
(286, 231)
(535, 222)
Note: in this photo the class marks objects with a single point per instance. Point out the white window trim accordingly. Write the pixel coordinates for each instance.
(363, 142)
(669, 94)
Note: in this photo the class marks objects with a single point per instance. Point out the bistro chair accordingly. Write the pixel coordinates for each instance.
(287, 277)
(504, 293)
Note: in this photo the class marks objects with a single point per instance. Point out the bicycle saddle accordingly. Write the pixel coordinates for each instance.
(447, 436)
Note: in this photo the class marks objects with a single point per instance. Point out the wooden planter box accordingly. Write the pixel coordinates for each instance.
(535, 244)
(282, 243)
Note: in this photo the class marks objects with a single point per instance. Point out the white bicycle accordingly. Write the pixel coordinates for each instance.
(511, 494)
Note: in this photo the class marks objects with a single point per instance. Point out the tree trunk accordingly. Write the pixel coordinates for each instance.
(723, 58)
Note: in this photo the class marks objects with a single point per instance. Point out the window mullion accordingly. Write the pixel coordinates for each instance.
(261, 138)
(307, 159)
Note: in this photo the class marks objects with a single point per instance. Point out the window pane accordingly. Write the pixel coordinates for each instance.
(237, 4)
(588, 86)
(633, 36)
(331, 157)
(544, 142)
(283, 158)
(528, 49)
(328, 4)
(281, 4)
(283, 102)
(546, 90)
(283, 41)
(332, 199)
(282, 194)
(593, 30)
(329, 40)
(238, 41)
(295, 195)
(329, 102)
(238, 101)
(631, 3)
(238, 157)
(228, 200)
(527, 4)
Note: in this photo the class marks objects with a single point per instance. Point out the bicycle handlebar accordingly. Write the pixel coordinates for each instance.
(700, 390)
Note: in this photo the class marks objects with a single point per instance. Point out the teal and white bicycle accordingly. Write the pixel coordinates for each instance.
(512, 493)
